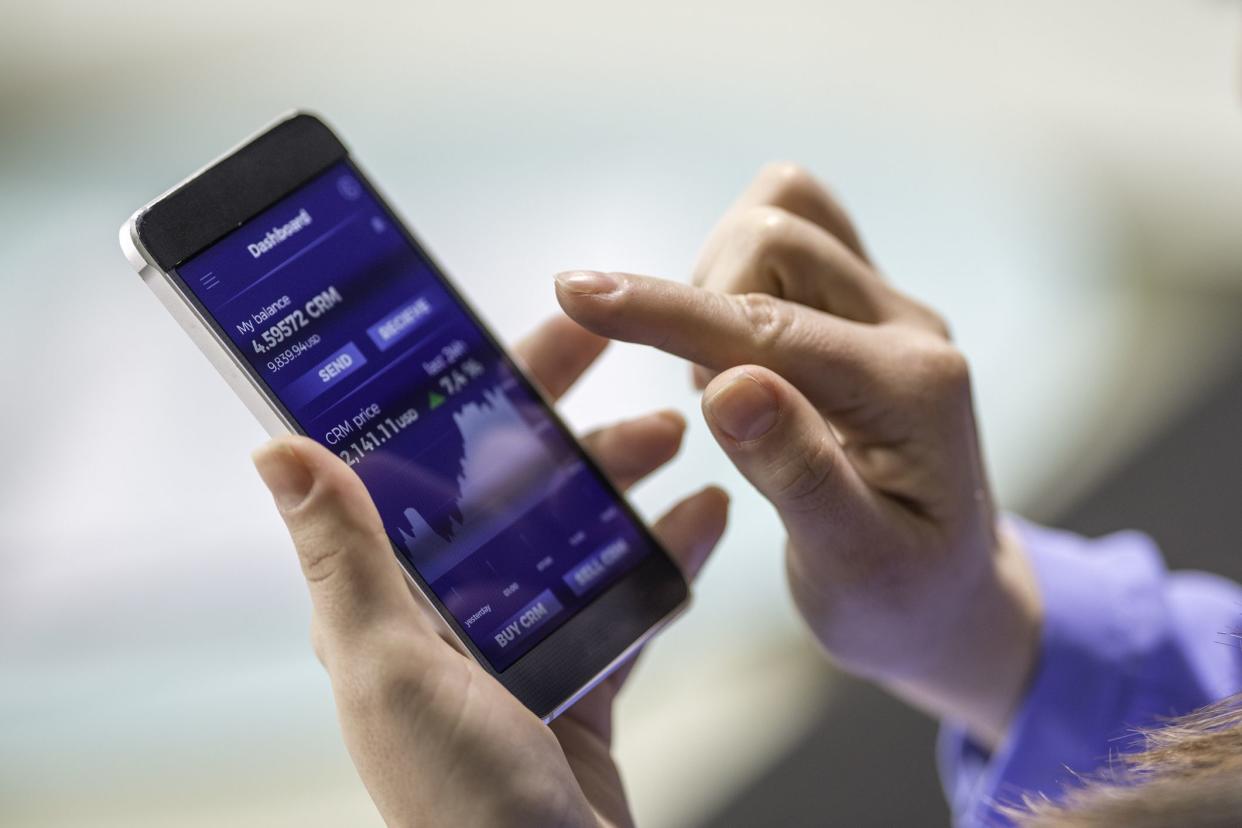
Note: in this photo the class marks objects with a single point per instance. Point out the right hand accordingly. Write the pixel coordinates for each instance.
(845, 403)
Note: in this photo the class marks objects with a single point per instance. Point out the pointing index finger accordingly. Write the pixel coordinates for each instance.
(834, 361)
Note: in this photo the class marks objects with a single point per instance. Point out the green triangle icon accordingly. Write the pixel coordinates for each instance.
(435, 399)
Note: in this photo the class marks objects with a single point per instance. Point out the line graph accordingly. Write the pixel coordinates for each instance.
(500, 468)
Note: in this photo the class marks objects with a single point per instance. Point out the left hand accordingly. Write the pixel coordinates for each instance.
(436, 739)
(846, 404)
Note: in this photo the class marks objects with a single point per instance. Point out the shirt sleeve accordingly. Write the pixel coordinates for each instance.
(1124, 644)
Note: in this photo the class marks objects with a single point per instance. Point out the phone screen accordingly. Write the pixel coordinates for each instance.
(354, 330)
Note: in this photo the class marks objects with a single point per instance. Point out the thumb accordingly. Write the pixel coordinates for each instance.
(785, 448)
(353, 577)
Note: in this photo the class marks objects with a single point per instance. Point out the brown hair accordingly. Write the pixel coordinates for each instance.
(1189, 773)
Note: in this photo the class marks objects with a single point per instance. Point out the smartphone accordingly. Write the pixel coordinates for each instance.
(325, 314)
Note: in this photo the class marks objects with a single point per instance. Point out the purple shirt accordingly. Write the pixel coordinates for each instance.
(1124, 644)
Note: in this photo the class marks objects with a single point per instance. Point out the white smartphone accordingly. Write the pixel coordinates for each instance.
(326, 316)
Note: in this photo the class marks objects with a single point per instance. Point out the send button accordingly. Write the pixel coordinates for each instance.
(323, 376)
(528, 619)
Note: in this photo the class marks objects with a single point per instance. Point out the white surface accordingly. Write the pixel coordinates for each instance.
(153, 658)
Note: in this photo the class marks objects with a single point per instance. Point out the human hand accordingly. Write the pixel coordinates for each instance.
(844, 402)
(437, 740)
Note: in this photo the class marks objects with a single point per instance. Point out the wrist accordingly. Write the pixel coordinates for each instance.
(986, 655)
(959, 644)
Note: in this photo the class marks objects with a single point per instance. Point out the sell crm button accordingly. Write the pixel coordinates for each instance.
(592, 569)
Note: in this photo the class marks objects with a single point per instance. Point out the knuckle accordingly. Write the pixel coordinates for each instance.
(802, 479)
(320, 559)
(755, 241)
(765, 230)
(785, 178)
(939, 366)
(929, 318)
(767, 318)
(325, 548)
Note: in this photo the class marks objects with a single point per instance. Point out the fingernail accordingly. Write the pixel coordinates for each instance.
(672, 417)
(718, 491)
(587, 282)
(285, 474)
(744, 409)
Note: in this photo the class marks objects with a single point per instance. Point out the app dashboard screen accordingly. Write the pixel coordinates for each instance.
(353, 330)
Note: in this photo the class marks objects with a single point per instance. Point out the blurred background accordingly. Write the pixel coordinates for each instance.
(1062, 178)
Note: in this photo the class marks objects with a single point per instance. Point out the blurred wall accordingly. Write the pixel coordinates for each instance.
(1061, 178)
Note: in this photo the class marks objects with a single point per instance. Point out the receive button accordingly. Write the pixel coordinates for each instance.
(399, 322)
(526, 620)
(323, 376)
(592, 569)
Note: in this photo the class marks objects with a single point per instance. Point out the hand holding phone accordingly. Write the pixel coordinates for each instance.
(329, 319)
(436, 739)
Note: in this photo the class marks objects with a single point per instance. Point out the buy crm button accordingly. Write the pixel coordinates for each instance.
(528, 619)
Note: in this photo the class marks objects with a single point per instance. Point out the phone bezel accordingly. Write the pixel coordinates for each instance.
(159, 237)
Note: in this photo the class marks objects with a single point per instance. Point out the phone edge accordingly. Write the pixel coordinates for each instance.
(228, 366)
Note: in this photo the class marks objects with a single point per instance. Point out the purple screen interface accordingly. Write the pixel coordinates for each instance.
(353, 329)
